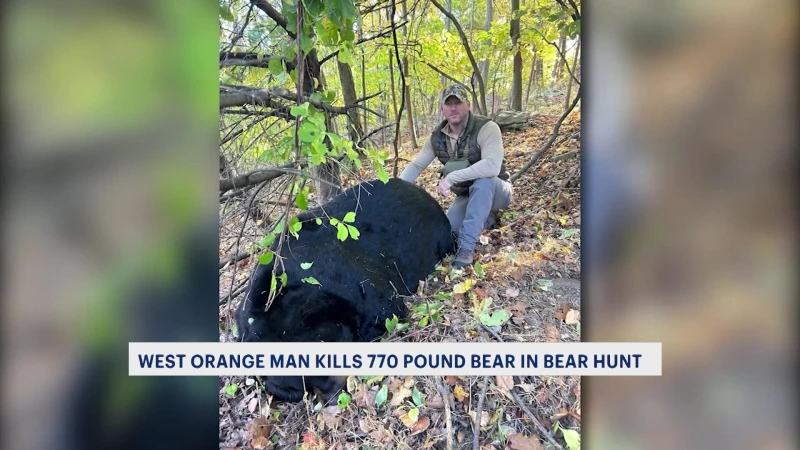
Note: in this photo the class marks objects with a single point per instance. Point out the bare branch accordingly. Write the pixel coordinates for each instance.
(275, 15)
(465, 42)
(362, 40)
(253, 177)
(549, 142)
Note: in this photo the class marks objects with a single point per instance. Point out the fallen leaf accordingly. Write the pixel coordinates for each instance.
(526, 387)
(259, 427)
(505, 382)
(422, 424)
(511, 293)
(450, 380)
(517, 274)
(480, 292)
(260, 443)
(518, 309)
(460, 437)
(552, 333)
(484, 418)
(484, 240)
(437, 402)
(380, 435)
(573, 317)
(400, 396)
(560, 414)
(460, 394)
(517, 441)
(252, 405)
(541, 396)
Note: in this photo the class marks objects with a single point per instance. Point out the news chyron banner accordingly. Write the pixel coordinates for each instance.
(394, 358)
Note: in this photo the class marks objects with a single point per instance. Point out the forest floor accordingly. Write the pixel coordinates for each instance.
(528, 265)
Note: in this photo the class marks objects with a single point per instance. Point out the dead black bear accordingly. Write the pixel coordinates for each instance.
(403, 235)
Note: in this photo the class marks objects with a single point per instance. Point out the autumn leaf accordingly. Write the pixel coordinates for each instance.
(484, 418)
(511, 293)
(259, 427)
(422, 424)
(260, 443)
(505, 382)
(252, 405)
(517, 441)
(464, 286)
(460, 394)
(561, 313)
(552, 333)
(450, 380)
(573, 317)
(560, 414)
(410, 418)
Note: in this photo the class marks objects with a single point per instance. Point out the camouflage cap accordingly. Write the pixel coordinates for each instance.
(455, 89)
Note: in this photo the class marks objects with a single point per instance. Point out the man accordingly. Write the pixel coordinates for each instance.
(471, 149)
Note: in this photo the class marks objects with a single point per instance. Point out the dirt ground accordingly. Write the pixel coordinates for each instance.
(528, 265)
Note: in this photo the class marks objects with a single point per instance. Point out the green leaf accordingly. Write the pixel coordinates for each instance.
(273, 283)
(230, 390)
(226, 13)
(350, 217)
(235, 330)
(295, 225)
(573, 439)
(344, 400)
(267, 240)
(275, 66)
(416, 396)
(382, 175)
(311, 280)
(299, 110)
(266, 258)
(381, 396)
(342, 232)
(283, 279)
(443, 296)
(478, 269)
(308, 132)
(354, 233)
(424, 321)
(301, 200)
(543, 284)
(413, 414)
(250, 320)
(334, 221)
(496, 319)
(318, 221)
(391, 324)
(306, 266)
(567, 233)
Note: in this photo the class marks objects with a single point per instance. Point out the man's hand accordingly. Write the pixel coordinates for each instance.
(444, 187)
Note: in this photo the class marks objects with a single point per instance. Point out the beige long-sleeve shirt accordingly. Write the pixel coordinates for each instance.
(490, 142)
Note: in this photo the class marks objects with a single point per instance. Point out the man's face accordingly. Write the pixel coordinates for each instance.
(454, 110)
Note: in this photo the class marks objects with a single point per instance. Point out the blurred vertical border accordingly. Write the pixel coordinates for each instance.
(110, 113)
(690, 222)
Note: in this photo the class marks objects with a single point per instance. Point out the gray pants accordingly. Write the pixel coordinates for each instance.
(471, 214)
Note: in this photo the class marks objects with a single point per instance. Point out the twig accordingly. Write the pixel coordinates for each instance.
(476, 436)
(448, 400)
(491, 331)
(542, 429)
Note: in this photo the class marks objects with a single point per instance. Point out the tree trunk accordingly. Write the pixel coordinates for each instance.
(354, 130)
(487, 25)
(365, 125)
(569, 86)
(516, 82)
(406, 70)
(442, 80)
(530, 79)
(394, 93)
